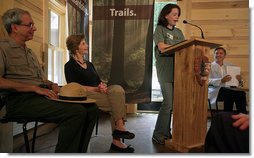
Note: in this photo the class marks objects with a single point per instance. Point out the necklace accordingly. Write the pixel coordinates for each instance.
(81, 62)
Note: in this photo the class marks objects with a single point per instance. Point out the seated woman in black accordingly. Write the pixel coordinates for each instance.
(108, 98)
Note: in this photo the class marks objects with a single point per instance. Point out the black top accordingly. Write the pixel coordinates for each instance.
(75, 73)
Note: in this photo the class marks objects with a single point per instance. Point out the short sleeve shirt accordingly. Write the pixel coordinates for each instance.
(19, 64)
(165, 65)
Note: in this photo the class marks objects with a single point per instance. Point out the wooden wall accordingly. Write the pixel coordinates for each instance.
(223, 21)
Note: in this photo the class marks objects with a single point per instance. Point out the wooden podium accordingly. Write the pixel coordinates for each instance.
(190, 94)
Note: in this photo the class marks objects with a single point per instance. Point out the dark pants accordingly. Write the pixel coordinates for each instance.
(230, 96)
(76, 121)
(222, 137)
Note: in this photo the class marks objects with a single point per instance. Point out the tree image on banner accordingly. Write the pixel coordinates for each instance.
(117, 64)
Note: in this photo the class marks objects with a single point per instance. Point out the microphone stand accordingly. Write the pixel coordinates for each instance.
(202, 34)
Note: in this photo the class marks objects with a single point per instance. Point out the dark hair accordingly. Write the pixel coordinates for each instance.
(225, 52)
(166, 10)
(73, 41)
(13, 16)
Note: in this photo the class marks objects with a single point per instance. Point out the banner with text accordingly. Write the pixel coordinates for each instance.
(122, 45)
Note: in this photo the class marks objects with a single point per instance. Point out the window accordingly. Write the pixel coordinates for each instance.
(54, 29)
(57, 54)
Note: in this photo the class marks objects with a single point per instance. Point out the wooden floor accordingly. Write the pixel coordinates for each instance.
(142, 124)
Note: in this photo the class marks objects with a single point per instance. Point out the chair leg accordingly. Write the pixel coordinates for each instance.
(96, 126)
(26, 137)
(210, 107)
(34, 135)
(217, 109)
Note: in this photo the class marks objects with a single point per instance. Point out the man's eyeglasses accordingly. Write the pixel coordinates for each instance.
(31, 25)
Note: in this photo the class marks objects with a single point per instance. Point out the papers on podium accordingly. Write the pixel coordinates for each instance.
(233, 71)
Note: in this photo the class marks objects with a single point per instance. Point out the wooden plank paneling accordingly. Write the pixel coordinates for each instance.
(6, 5)
(223, 25)
(223, 32)
(220, 5)
(36, 6)
(215, 14)
(219, 1)
(229, 38)
(235, 42)
(224, 21)
(243, 50)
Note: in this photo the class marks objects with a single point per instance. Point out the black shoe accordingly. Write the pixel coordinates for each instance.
(123, 134)
(129, 149)
(158, 141)
(169, 136)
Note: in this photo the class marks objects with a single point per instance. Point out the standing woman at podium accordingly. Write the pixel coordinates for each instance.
(165, 35)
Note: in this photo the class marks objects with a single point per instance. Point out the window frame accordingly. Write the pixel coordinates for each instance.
(60, 10)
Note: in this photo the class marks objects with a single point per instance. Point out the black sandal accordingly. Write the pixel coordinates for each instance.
(129, 149)
(123, 134)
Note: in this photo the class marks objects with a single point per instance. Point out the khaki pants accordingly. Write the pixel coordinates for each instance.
(113, 102)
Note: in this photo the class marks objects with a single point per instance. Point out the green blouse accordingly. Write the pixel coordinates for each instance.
(165, 64)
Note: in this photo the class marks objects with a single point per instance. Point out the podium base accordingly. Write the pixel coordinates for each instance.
(195, 148)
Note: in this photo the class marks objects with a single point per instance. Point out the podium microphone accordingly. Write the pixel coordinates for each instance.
(202, 34)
